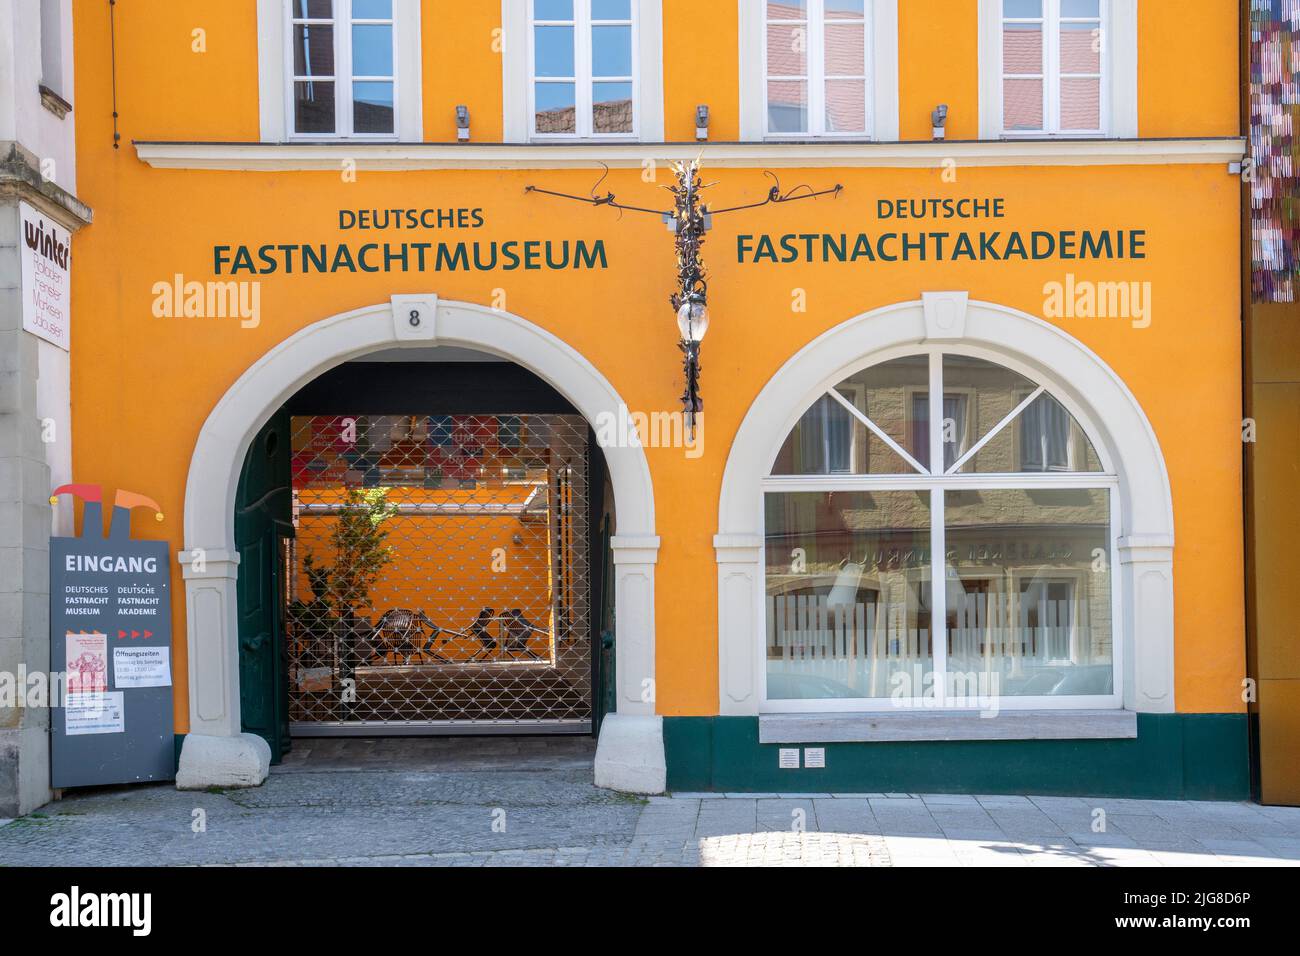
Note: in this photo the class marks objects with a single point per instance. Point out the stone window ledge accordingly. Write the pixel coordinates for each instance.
(947, 725)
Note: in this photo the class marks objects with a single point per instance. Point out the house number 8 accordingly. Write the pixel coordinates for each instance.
(415, 318)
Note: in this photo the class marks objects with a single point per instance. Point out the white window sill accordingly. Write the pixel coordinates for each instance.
(553, 154)
(947, 725)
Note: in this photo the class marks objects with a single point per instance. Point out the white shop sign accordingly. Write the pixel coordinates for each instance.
(46, 251)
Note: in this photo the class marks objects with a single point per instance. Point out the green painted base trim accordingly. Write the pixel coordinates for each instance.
(1173, 757)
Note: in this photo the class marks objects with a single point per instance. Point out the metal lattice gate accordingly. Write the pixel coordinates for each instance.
(438, 579)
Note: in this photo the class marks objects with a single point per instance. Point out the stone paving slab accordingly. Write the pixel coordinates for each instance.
(506, 804)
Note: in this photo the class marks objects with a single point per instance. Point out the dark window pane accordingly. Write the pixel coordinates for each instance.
(313, 9)
(313, 50)
(372, 107)
(313, 106)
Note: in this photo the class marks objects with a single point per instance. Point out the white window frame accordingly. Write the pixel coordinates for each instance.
(882, 75)
(937, 482)
(1119, 79)
(518, 121)
(583, 79)
(814, 76)
(275, 77)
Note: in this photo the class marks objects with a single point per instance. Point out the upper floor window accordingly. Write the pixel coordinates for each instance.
(1059, 68)
(1052, 59)
(583, 68)
(342, 68)
(817, 67)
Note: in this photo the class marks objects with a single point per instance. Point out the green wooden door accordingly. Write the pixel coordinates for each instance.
(262, 523)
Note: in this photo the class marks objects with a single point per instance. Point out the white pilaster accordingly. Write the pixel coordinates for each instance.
(740, 579)
(634, 598)
(211, 622)
(1146, 567)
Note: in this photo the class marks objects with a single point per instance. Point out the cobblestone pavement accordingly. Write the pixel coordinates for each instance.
(531, 803)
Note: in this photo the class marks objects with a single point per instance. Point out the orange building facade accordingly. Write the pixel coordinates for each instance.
(963, 508)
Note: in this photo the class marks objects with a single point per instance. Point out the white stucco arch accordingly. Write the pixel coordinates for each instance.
(630, 754)
(1073, 372)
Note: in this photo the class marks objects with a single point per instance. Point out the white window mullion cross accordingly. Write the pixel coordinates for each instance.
(342, 80)
(343, 67)
(816, 75)
(583, 27)
(582, 53)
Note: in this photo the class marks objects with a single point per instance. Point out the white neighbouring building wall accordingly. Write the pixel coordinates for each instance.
(37, 170)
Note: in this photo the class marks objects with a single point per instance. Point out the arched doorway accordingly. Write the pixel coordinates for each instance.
(938, 322)
(215, 752)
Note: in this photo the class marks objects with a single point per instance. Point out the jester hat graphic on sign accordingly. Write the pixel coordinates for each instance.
(92, 521)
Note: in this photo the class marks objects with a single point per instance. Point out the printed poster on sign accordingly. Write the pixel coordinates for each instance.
(86, 653)
(142, 667)
(93, 714)
(46, 253)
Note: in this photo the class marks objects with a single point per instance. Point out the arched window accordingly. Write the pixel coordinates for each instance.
(939, 531)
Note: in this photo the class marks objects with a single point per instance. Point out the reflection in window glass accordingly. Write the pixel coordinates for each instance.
(552, 9)
(313, 49)
(1028, 601)
(826, 441)
(588, 48)
(611, 51)
(555, 107)
(1044, 437)
(847, 606)
(372, 107)
(1052, 66)
(816, 66)
(1025, 564)
(553, 51)
(993, 390)
(829, 439)
(358, 102)
(787, 106)
(372, 49)
(313, 107)
(372, 9)
(611, 107)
